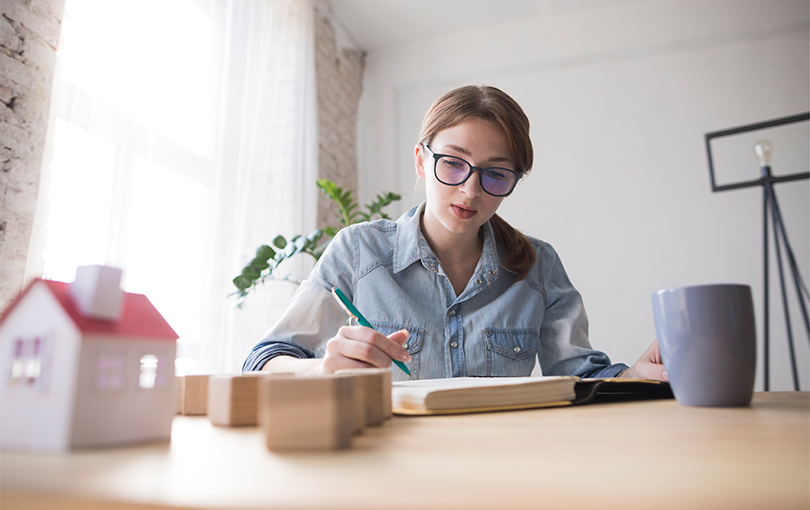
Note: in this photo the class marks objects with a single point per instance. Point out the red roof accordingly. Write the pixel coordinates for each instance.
(139, 318)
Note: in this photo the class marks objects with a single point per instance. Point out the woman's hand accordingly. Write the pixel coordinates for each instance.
(648, 366)
(362, 347)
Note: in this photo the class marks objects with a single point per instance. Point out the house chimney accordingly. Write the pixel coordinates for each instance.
(97, 292)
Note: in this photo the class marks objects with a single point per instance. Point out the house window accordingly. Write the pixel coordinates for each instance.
(153, 372)
(109, 372)
(29, 363)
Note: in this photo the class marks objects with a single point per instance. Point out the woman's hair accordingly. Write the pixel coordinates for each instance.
(492, 104)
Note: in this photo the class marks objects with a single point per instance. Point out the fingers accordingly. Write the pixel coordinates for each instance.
(649, 365)
(361, 347)
(400, 337)
(391, 346)
(332, 364)
(653, 353)
(654, 371)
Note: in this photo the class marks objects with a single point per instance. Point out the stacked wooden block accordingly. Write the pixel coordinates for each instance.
(294, 413)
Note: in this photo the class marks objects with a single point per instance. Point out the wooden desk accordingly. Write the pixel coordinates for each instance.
(650, 455)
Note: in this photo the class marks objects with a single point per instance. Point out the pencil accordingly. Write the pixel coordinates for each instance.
(352, 311)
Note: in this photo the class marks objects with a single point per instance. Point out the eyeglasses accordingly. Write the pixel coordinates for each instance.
(453, 171)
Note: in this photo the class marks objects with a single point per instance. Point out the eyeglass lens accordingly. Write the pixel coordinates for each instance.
(454, 171)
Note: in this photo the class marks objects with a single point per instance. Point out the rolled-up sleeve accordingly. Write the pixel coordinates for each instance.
(312, 316)
(310, 319)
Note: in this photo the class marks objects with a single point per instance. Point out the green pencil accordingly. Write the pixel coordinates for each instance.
(354, 312)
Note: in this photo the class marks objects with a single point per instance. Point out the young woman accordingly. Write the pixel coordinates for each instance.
(451, 289)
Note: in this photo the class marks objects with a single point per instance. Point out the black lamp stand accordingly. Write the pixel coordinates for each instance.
(772, 214)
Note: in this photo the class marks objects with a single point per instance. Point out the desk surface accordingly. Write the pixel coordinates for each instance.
(653, 454)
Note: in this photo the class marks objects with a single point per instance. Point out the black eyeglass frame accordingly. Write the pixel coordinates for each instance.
(437, 157)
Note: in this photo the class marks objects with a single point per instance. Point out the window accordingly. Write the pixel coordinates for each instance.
(149, 371)
(184, 134)
(132, 172)
(30, 363)
(109, 372)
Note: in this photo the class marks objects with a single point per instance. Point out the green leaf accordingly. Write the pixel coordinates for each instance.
(375, 208)
(251, 272)
(259, 264)
(265, 252)
(242, 283)
(279, 242)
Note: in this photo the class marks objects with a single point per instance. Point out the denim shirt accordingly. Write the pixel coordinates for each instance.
(497, 326)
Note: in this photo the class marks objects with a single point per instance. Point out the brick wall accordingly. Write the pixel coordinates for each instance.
(339, 72)
(29, 34)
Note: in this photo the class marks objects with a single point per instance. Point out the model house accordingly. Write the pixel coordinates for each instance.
(84, 364)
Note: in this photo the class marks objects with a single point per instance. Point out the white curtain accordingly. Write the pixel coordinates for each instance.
(180, 143)
(267, 161)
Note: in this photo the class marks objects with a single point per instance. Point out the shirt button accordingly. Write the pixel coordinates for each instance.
(454, 344)
(516, 349)
(452, 312)
(404, 346)
(491, 272)
(478, 281)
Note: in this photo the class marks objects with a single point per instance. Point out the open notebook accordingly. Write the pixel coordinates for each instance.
(482, 394)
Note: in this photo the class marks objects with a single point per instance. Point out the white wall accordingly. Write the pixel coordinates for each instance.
(620, 98)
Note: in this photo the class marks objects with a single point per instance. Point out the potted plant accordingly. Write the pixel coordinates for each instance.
(268, 257)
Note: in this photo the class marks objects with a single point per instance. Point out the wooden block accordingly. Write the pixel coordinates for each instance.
(232, 398)
(358, 408)
(306, 413)
(385, 395)
(192, 394)
(376, 392)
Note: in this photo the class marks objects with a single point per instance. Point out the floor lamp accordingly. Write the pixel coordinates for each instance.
(771, 212)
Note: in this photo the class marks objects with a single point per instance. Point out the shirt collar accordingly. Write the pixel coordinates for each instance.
(411, 246)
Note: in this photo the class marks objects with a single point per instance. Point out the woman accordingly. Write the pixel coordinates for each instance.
(451, 289)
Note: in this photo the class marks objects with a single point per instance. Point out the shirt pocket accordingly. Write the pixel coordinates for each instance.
(413, 346)
(511, 352)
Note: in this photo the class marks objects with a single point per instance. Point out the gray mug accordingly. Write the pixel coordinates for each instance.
(708, 344)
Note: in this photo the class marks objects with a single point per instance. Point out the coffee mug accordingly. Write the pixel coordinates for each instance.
(708, 344)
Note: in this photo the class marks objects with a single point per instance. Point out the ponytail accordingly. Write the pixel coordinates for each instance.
(520, 254)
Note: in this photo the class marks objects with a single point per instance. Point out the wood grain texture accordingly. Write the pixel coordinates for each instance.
(192, 394)
(307, 413)
(376, 390)
(233, 398)
(358, 402)
(634, 455)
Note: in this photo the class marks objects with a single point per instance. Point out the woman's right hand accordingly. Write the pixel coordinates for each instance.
(362, 347)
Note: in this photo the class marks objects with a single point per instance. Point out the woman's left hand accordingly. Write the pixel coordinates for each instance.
(648, 366)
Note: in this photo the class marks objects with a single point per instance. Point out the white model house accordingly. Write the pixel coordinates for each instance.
(84, 364)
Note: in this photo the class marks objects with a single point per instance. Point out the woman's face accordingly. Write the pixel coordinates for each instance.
(452, 212)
